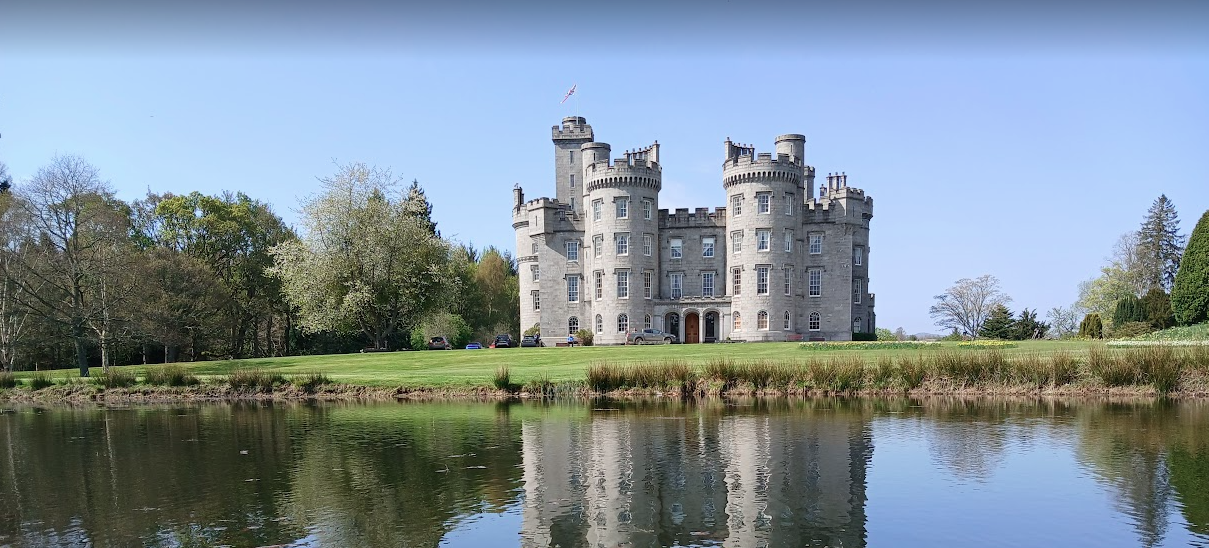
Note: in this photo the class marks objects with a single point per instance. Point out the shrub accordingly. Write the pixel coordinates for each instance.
(1092, 327)
(502, 379)
(864, 336)
(536, 330)
(1157, 305)
(115, 378)
(310, 382)
(584, 336)
(7, 380)
(255, 380)
(1129, 330)
(169, 375)
(1190, 293)
(40, 380)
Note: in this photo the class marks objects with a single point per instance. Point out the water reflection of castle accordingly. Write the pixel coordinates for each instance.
(736, 480)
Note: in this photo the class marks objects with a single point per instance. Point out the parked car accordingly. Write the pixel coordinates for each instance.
(531, 341)
(439, 343)
(474, 346)
(650, 336)
(504, 341)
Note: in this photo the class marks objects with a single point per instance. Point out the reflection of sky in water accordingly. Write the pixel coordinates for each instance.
(772, 474)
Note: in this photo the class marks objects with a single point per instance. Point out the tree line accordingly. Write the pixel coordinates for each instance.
(91, 280)
(1151, 282)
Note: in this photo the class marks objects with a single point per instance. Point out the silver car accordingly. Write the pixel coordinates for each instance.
(650, 336)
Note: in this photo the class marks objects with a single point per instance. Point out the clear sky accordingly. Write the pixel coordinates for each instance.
(1016, 139)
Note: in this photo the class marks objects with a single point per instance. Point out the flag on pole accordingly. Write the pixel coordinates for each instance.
(568, 95)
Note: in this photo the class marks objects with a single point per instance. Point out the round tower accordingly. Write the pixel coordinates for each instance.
(527, 229)
(621, 213)
(764, 196)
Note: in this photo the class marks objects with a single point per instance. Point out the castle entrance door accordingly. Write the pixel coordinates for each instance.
(692, 328)
(711, 327)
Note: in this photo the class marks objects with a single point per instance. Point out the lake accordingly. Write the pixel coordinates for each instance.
(717, 472)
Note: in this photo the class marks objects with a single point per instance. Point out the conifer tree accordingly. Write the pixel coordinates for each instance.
(1092, 327)
(415, 204)
(1160, 244)
(1190, 293)
(1157, 306)
(998, 324)
(1028, 326)
(1129, 309)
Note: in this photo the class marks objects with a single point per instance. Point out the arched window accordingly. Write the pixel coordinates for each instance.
(599, 324)
(738, 322)
(856, 325)
(646, 322)
(623, 323)
(786, 320)
(762, 321)
(572, 325)
(815, 320)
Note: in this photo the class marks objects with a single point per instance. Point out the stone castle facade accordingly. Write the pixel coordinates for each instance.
(777, 263)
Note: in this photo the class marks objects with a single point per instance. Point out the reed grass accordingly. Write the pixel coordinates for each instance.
(1157, 365)
(115, 378)
(542, 386)
(311, 382)
(1196, 358)
(1111, 367)
(502, 379)
(883, 373)
(7, 379)
(169, 375)
(912, 371)
(257, 380)
(40, 380)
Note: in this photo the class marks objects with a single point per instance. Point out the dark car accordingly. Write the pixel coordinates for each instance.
(439, 343)
(647, 336)
(531, 341)
(504, 341)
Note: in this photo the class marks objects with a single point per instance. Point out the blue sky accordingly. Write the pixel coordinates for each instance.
(1018, 142)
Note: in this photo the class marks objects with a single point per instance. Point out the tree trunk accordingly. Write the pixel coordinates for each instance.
(77, 333)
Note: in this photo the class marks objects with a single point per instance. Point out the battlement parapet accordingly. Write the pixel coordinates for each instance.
(764, 166)
(573, 127)
(628, 171)
(700, 217)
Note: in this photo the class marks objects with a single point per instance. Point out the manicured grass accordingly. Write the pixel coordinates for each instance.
(466, 368)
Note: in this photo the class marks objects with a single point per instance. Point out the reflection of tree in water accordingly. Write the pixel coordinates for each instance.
(1148, 453)
(967, 437)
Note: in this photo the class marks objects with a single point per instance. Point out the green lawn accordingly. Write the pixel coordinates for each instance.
(462, 368)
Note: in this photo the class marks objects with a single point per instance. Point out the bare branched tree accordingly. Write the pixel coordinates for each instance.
(965, 306)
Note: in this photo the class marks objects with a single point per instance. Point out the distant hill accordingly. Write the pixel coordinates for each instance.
(924, 336)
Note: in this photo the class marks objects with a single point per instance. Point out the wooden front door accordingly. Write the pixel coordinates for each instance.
(692, 328)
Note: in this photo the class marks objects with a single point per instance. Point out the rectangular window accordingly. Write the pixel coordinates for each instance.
(647, 245)
(537, 301)
(736, 205)
(789, 240)
(623, 284)
(535, 248)
(707, 284)
(677, 285)
(677, 247)
(597, 246)
(763, 202)
(736, 278)
(789, 205)
(573, 289)
(623, 244)
(647, 209)
(736, 241)
(623, 209)
(814, 282)
(816, 244)
(596, 206)
(858, 255)
(707, 247)
(788, 281)
(599, 276)
(648, 281)
(856, 290)
(763, 239)
(573, 251)
(572, 181)
(761, 280)
(537, 273)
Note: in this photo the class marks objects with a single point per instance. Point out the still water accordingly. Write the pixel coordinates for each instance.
(742, 473)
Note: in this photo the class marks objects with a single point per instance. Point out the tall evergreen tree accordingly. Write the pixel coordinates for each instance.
(1091, 327)
(415, 204)
(1160, 244)
(1190, 293)
(1157, 306)
(998, 324)
(1028, 326)
(1129, 309)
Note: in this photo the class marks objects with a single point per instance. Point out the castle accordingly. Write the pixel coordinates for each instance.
(778, 264)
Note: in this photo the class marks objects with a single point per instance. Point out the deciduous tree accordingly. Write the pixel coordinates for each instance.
(965, 306)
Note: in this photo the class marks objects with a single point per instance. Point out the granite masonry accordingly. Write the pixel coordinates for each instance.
(777, 263)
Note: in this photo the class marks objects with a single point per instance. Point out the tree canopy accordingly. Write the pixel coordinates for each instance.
(1190, 292)
(966, 305)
